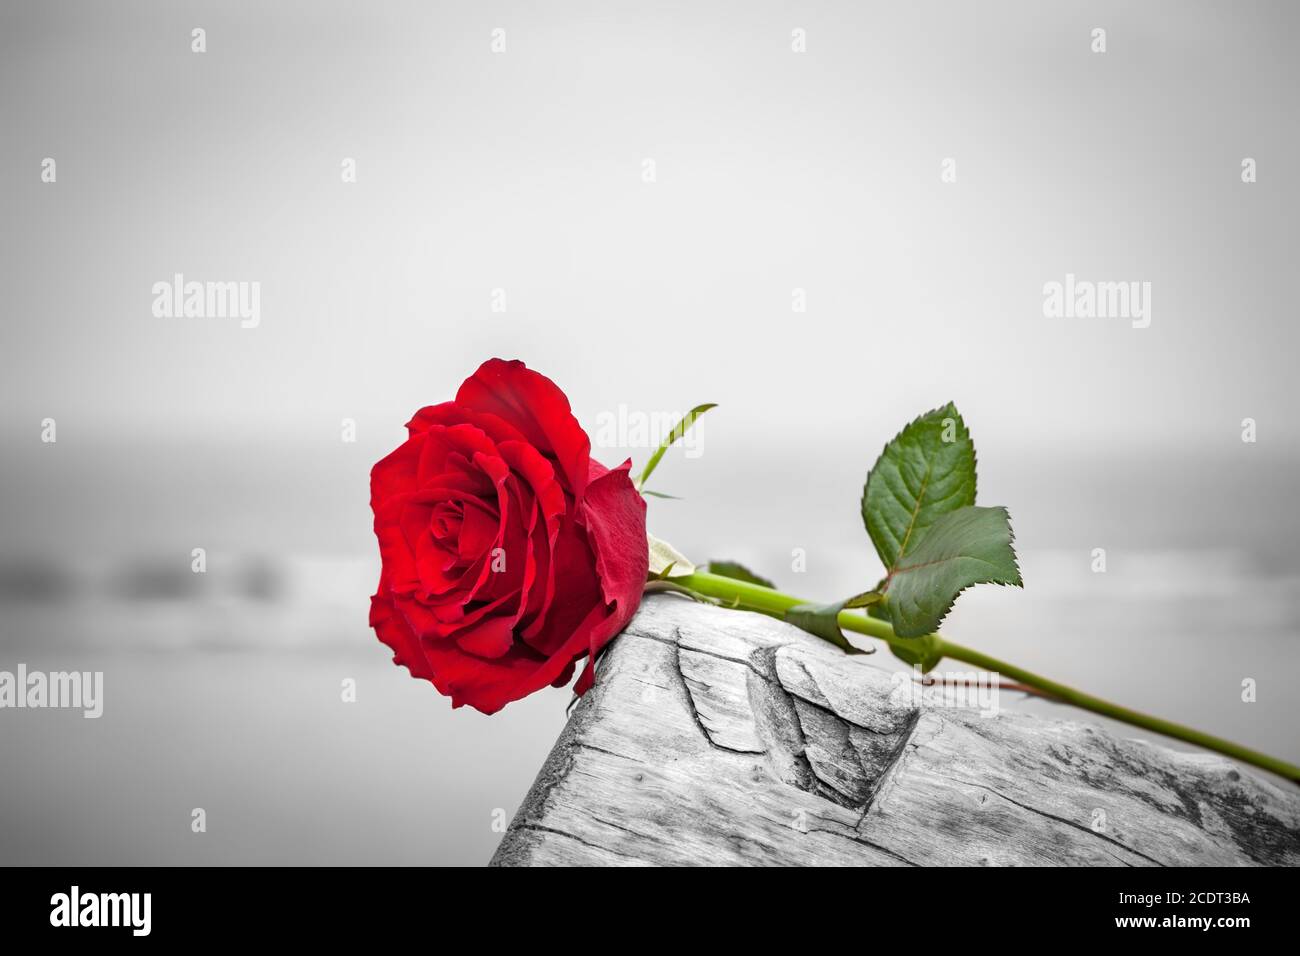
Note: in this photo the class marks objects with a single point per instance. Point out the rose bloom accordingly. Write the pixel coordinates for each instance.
(508, 553)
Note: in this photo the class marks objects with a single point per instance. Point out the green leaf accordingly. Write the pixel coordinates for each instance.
(927, 471)
(666, 561)
(822, 620)
(923, 652)
(965, 547)
(738, 572)
(674, 436)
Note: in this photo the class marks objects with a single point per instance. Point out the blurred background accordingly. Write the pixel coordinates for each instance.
(520, 177)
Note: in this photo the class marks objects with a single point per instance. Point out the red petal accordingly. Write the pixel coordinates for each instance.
(533, 404)
(614, 515)
(485, 685)
(449, 413)
(395, 473)
(490, 638)
(395, 552)
(441, 442)
(566, 675)
(478, 530)
(391, 628)
(576, 591)
(538, 476)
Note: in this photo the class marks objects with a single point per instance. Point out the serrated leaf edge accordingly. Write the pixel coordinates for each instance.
(862, 504)
(1015, 563)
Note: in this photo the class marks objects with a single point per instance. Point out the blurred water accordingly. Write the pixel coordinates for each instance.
(261, 741)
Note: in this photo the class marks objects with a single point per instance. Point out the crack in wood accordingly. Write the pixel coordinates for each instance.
(1052, 816)
(689, 698)
(555, 831)
(794, 734)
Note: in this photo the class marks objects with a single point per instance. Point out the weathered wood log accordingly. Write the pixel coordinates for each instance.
(722, 737)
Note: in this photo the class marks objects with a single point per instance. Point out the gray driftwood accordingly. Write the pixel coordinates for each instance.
(723, 737)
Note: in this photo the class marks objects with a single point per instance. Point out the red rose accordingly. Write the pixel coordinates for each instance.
(508, 552)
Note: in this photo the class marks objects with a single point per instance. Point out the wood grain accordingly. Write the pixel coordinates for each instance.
(727, 738)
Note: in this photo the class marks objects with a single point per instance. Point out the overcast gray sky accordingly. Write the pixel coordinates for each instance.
(775, 170)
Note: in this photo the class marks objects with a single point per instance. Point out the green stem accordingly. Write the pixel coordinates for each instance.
(755, 597)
